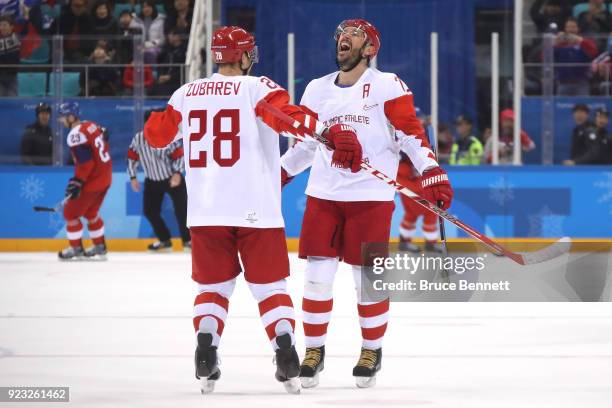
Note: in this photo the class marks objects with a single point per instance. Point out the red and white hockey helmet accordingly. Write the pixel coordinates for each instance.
(230, 42)
(371, 33)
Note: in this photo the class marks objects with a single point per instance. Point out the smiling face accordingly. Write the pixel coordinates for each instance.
(350, 47)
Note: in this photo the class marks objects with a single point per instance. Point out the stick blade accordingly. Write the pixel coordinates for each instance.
(554, 250)
(44, 209)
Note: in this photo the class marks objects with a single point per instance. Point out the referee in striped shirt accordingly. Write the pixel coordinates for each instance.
(163, 174)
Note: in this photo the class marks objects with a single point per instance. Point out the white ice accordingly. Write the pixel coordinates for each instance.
(119, 334)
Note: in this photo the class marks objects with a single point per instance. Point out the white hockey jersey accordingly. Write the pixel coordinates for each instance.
(381, 109)
(232, 157)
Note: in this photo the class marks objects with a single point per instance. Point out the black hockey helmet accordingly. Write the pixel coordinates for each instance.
(43, 107)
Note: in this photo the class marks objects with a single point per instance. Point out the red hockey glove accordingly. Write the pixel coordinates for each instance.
(73, 189)
(347, 149)
(285, 178)
(436, 187)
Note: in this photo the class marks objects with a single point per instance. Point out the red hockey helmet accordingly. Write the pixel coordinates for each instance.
(230, 42)
(372, 34)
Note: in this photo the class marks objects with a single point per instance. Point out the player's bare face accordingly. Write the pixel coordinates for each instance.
(350, 44)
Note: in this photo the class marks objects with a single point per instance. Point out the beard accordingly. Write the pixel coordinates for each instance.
(352, 61)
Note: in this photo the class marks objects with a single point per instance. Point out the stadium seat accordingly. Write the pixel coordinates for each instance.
(31, 83)
(119, 8)
(53, 12)
(70, 84)
(160, 9)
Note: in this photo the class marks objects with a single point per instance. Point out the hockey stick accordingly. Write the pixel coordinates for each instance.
(554, 250)
(52, 209)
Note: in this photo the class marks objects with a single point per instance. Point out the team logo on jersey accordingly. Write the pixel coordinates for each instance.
(252, 217)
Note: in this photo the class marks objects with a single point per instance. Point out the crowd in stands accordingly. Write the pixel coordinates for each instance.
(581, 44)
(98, 34)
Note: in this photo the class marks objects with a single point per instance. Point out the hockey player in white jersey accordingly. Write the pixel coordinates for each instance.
(344, 210)
(232, 163)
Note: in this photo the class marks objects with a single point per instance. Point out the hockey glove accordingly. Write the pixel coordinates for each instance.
(437, 188)
(73, 190)
(347, 149)
(285, 178)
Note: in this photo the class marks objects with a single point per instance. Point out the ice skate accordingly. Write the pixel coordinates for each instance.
(206, 363)
(287, 364)
(408, 246)
(96, 252)
(312, 365)
(434, 248)
(367, 367)
(71, 254)
(160, 247)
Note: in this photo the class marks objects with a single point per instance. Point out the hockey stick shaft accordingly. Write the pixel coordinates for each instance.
(492, 245)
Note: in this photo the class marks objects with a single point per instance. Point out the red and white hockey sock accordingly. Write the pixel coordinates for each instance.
(96, 230)
(210, 308)
(430, 232)
(407, 229)
(74, 232)
(318, 300)
(373, 319)
(373, 316)
(275, 309)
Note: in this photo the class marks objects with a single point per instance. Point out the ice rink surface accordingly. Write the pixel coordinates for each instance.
(119, 334)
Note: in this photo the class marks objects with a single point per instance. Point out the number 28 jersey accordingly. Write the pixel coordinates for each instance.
(90, 153)
(232, 155)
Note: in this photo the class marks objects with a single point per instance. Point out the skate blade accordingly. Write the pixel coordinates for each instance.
(73, 259)
(96, 258)
(365, 382)
(310, 382)
(160, 251)
(292, 386)
(207, 386)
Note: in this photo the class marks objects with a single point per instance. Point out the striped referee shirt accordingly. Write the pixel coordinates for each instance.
(158, 164)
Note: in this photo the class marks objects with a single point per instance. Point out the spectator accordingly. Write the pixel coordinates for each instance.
(596, 20)
(37, 139)
(104, 23)
(467, 150)
(163, 170)
(601, 68)
(506, 140)
(153, 27)
(174, 52)
(596, 149)
(75, 23)
(128, 78)
(547, 12)
(584, 128)
(128, 27)
(10, 48)
(571, 48)
(179, 17)
(102, 80)
(445, 143)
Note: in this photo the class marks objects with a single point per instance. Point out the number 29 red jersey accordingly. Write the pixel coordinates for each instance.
(232, 156)
(92, 161)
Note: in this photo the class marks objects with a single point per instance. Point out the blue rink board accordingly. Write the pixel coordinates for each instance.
(529, 201)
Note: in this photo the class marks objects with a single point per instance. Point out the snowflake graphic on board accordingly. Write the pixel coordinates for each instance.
(32, 188)
(606, 196)
(546, 223)
(56, 221)
(501, 192)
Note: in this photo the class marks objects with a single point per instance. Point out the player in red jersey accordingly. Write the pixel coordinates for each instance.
(232, 163)
(93, 170)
